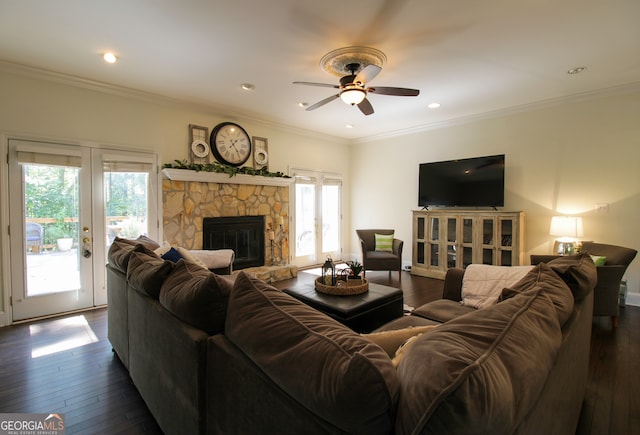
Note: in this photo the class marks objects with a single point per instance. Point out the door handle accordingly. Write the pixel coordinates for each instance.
(86, 247)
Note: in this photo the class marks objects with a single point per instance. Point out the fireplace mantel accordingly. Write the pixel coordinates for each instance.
(214, 177)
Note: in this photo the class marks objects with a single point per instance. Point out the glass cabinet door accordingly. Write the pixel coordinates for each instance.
(506, 242)
(466, 247)
(488, 236)
(420, 230)
(452, 241)
(434, 241)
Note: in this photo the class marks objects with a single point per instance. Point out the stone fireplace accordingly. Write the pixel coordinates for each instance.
(190, 197)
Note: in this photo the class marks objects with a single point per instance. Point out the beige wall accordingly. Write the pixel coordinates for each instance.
(561, 159)
(37, 108)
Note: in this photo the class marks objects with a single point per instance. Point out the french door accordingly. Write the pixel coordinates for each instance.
(318, 217)
(67, 203)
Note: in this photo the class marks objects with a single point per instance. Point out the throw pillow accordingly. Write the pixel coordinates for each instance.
(391, 341)
(578, 271)
(384, 242)
(196, 296)
(542, 277)
(402, 350)
(162, 249)
(172, 255)
(481, 371)
(482, 283)
(120, 252)
(184, 253)
(335, 373)
(147, 272)
(147, 242)
(599, 260)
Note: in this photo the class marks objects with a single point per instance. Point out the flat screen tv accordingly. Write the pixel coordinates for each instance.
(473, 182)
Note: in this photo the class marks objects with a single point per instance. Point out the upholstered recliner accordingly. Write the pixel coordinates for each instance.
(373, 259)
(607, 292)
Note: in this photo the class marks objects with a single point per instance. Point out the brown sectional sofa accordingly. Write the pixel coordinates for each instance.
(220, 355)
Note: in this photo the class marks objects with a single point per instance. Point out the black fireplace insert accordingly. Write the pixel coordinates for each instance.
(244, 234)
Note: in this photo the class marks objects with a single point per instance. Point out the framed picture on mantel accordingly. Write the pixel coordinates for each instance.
(260, 153)
(199, 150)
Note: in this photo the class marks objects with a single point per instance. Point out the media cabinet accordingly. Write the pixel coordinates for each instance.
(443, 239)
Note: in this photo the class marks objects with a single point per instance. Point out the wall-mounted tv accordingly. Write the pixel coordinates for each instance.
(473, 182)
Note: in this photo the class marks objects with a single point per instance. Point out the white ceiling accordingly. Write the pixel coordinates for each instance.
(473, 57)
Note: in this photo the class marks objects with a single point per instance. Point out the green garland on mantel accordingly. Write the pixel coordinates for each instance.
(223, 169)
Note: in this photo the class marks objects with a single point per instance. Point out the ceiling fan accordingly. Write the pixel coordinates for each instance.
(353, 90)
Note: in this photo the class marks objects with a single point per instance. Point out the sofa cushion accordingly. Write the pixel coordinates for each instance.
(148, 243)
(196, 296)
(578, 271)
(441, 310)
(483, 283)
(331, 370)
(485, 369)
(146, 272)
(542, 276)
(119, 253)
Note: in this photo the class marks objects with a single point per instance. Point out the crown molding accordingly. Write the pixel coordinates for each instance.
(230, 112)
(148, 97)
(529, 107)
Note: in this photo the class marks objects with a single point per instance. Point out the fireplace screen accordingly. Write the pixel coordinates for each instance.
(244, 234)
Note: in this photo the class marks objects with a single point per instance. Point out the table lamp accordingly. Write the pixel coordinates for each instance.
(569, 228)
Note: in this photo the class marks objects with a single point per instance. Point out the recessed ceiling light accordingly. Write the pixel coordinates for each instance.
(248, 86)
(433, 105)
(576, 70)
(109, 57)
(303, 104)
(349, 126)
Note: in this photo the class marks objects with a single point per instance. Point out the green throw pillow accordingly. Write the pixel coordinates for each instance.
(384, 242)
(599, 260)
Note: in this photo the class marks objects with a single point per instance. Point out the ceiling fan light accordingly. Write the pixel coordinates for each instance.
(352, 96)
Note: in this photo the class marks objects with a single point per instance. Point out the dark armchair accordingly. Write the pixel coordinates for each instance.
(380, 260)
(607, 292)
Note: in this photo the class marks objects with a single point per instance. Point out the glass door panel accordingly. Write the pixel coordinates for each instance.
(305, 224)
(52, 191)
(331, 220)
(318, 218)
(50, 199)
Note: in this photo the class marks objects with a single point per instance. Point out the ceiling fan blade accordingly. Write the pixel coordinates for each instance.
(324, 85)
(402, 92)
(323, 102)
(367, 74)
(365, 107)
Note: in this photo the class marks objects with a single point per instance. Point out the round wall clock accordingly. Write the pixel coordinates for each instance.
(230, 144)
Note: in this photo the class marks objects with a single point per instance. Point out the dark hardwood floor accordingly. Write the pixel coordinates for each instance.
(41, 371)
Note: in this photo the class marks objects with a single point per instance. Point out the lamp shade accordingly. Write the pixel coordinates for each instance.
(566, 226)
(352, 96)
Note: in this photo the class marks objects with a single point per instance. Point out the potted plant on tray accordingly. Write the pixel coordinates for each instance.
(355, 268)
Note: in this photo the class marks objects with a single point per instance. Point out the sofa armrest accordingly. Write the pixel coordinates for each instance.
(452, 289)
(363, 247)
(397, 247)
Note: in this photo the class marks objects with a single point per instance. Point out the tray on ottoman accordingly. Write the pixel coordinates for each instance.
(362, 313)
